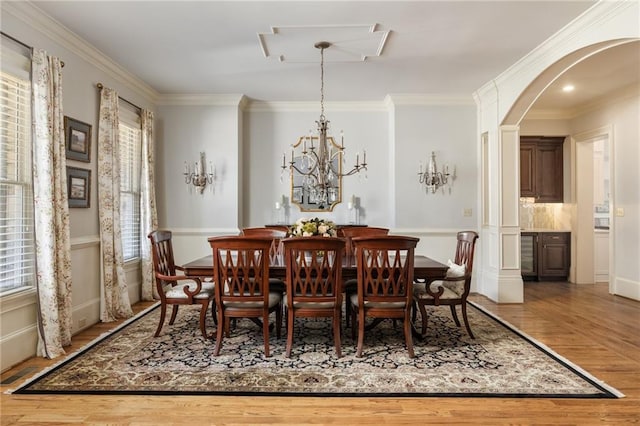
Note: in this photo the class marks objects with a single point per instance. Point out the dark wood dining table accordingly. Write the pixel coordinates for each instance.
(424, 269)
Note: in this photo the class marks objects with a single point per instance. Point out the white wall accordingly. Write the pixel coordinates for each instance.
(84, 67)
(449, 131)
(270, 130)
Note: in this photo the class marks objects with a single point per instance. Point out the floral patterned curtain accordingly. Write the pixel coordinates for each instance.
(148, 213)
(53, 243)
(115, 302)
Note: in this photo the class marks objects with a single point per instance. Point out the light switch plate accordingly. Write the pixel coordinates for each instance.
(467, 212)
(619, 211)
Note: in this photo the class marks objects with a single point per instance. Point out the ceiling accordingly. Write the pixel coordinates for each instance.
(264, 49)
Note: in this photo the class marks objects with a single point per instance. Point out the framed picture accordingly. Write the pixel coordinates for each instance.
(297, 195)
(78, 187)
(77, 140)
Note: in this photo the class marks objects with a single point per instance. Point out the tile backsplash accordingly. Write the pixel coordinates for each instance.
(543, 216)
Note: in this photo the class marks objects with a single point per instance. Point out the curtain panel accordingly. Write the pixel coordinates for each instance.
(114, 303)
(51, 213)
(148, 212)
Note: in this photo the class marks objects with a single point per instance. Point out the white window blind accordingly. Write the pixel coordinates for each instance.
(130, 169)
(17, 250)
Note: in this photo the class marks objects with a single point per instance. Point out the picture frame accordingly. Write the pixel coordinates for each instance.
(78, 187)
(77, 140)
(296, 195)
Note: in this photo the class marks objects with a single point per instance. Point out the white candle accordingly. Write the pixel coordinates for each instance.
(277, 205)
(197, 167)
(364, 157)
(284, 156)
(186, 168)
(350, 205)
(342, 138)
(421, 167)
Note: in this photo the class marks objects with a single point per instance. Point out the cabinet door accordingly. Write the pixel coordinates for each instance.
(549, 188)
(527, 169)
(553, 255)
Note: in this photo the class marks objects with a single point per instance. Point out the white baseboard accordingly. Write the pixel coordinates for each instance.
(626, 288)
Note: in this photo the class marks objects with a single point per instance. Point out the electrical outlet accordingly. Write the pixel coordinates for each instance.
(620, 211)
(467, 212)
(82, 322)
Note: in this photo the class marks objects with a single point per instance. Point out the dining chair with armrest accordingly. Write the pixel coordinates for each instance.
(241, 277)
(350, 232)
(174, 289)
(454, 289)
(385, 283)
(314, 282)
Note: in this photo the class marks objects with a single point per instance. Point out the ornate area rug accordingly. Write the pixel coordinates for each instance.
(500, 362)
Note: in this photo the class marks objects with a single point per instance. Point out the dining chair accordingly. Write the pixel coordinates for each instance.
(241, 277)
(276, 235)
(385, 283)
(314, 282)
(454, 289)
(175, 290)
(350, 232)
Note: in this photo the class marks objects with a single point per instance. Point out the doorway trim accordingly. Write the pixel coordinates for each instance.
(587, 137)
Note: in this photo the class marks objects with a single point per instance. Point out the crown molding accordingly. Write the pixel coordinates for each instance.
(302, 106)
(236, 100)
(58, 33)
(430, 99)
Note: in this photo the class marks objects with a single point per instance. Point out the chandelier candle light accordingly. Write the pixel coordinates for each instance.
(317, 165)
(197, 176)
(432, 178)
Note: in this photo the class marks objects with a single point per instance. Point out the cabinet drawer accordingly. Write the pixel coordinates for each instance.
(554, 237)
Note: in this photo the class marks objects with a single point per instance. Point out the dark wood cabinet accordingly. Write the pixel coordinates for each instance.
(541, 168)
(545, 255)
(553, 255)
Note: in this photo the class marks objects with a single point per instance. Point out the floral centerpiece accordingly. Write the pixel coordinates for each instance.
(309, 227)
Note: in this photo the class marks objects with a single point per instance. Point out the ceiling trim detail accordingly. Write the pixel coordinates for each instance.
(430, 99)
(349, 43)
(266, 106)
(204, 99)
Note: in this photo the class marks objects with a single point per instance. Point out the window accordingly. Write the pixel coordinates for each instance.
(130, 169)
(17, 249)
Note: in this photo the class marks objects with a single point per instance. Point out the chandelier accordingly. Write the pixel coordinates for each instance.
(320, 161)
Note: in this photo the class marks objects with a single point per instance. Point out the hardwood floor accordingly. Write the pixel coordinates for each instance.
(597, 331)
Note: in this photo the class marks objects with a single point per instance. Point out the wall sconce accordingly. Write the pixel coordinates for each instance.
(432, 178)
(198, 177)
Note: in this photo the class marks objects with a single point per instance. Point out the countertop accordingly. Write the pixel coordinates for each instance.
(543, 230)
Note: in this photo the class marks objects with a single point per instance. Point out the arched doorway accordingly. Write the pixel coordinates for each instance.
(502, 105)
